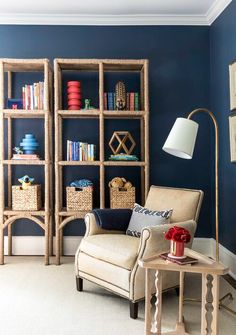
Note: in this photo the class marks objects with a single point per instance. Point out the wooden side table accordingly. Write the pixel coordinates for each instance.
(210, 271)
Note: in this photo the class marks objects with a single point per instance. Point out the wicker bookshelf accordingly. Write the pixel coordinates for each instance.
(8, 216)
(62, 216)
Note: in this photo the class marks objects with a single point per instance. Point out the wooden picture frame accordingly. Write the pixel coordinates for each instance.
(232, 137)
(232, 85)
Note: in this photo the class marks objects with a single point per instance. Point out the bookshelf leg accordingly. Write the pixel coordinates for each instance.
(1, 244)
(46, 240)
(50, 237)
(9, 240)
(57, 242)
(61, 243)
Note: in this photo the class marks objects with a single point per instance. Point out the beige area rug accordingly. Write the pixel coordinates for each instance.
(42, 300)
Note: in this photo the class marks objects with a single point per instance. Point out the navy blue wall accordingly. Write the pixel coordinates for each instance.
(223, 52)
(179, 82)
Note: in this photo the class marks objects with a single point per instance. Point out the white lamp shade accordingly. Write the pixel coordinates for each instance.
(181, 139)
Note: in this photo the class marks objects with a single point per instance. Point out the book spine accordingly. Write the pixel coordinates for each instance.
(127, 102)
(131, 101)
(105, 102)
(136, 101)
(23, 97)
(110, 100)
(114, 101)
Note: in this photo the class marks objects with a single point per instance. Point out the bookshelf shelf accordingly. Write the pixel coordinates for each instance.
(79, 113)
(100, 66)
(24, 114)
(123, 114)
(9, 212)
(24, 162)
(79, 214)
(8, 216)
(77, 163)
(124, 163)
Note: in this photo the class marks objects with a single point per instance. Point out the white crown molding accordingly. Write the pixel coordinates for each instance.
(115, 20)
(34, 245)
(101, 20)
(216, 9)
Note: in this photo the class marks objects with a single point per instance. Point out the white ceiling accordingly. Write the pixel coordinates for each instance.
(111, 12)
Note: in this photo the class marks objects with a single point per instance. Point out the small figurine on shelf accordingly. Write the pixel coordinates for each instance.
(120, 96)
(18, 150)
(26, 181)
(87, 104)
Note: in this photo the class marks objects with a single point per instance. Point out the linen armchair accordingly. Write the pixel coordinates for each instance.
(110, 258)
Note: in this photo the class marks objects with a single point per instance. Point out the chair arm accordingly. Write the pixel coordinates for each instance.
(152, 241)
(93, 229)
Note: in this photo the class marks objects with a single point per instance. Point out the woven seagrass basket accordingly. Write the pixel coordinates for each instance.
(26, 200)
(79, 199)
(122, 198)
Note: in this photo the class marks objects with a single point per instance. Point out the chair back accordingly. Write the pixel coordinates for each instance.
(186, 203)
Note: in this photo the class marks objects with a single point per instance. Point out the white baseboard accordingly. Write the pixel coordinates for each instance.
(34, 245)
(207, 246)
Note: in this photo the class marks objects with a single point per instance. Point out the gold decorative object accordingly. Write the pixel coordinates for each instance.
(122, 137)
(120, 96)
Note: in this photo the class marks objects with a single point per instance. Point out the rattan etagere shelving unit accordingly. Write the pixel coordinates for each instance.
(42, 217)
(62, 216)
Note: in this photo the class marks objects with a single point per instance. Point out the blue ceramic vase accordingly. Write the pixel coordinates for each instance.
(29, 144)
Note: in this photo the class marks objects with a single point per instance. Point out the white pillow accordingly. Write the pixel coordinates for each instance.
(143, 217)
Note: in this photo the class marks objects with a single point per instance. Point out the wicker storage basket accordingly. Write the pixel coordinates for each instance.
(122, 198)
(26, 200)
(79, 199)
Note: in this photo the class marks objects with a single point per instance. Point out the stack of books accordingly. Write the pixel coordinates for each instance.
(132, 101)
(79, 151)
(33, 96)
(25, 156)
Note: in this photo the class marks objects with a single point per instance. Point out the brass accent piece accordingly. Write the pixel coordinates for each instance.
(122, 137)
(204, 110)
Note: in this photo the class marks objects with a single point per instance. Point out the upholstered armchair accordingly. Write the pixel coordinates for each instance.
(110, 258)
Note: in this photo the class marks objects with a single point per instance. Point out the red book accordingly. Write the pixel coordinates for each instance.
(105, 102)
(131, 101)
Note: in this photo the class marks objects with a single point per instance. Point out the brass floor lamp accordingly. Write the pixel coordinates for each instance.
(181, 142)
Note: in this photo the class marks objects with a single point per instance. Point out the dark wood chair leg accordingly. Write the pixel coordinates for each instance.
(79, 284)
(133, 307)
(177, 291)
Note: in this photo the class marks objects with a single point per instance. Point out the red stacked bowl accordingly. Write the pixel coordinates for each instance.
(74, 95)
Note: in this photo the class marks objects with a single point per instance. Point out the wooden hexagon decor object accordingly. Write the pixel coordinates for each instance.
(119, 142)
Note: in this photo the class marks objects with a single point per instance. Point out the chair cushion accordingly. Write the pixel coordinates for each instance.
(120, 250)
(186, 203)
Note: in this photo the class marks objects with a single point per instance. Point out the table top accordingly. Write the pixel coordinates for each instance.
(204, 264)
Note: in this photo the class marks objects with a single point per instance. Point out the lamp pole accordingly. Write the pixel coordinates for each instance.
(211, 115)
